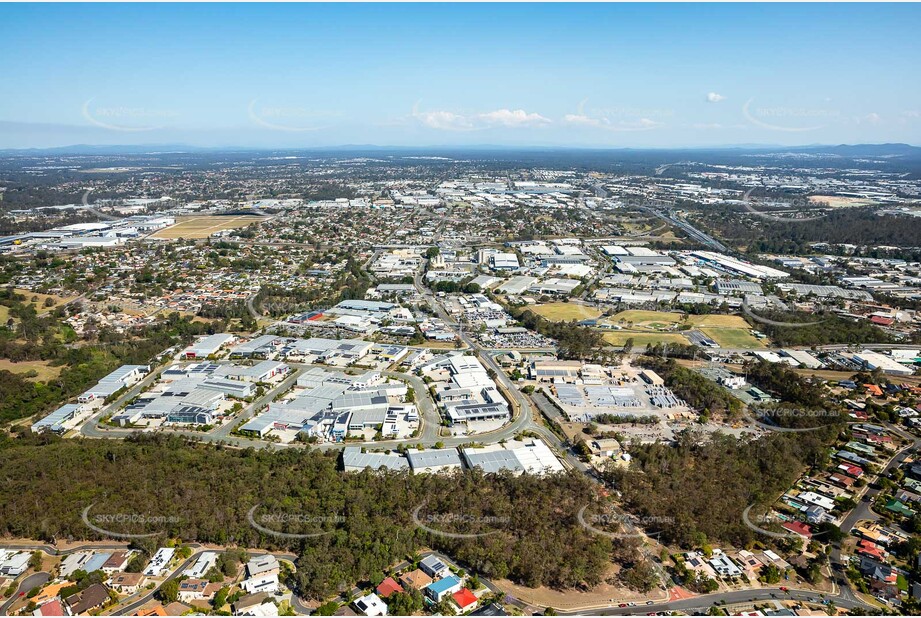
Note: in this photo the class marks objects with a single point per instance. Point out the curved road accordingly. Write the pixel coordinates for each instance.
(27, 584)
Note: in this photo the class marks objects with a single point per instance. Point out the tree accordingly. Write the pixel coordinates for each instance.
(220, 599)
(770, 574)
(169, 591)
(35, 561)
(328, 609)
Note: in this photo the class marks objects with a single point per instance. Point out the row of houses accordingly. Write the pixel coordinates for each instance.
(433, 577)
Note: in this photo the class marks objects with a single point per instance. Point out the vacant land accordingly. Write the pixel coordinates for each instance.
(203, 227)
(43, 370)
(839, 201)
(39, 300)
(733, 338)
(718, 321)
(646, 319)
(563, 312)
(618, 338)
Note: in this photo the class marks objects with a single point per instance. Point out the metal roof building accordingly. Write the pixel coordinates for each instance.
(434, 460)
(354, 460)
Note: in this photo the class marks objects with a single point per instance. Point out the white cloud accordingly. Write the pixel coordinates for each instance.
(581, 119)
(871, 118)
(513, 118)
(642, 124)
(445, 121)
(714, 97)
(449, 121)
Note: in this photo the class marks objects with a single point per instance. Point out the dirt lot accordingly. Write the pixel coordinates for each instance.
(838, 201)
(566, 311)
(203, 227)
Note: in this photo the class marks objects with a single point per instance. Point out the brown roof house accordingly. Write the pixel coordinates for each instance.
(127, 583)
(93, 597)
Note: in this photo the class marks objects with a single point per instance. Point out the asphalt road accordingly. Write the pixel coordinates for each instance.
(701, 604)
(31, 581)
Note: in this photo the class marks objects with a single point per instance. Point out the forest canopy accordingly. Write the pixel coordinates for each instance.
(205, 493)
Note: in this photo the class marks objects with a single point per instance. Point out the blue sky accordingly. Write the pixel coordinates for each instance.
(612, 75)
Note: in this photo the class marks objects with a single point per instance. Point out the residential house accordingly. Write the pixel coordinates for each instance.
(434, 567)
(415, 579)
(724, 566)
(465, 600)
(263, 565)
(443, 587)
(116, 562)
(263, 583)
(388, 587)
(127, 583)
(370, 605)
(192, 590)
(91, 598)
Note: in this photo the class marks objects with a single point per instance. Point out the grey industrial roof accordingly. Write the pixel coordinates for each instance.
(438, 457)
(492, 461)
(352, 457)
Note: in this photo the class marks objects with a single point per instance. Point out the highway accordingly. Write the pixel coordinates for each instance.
(689, 229)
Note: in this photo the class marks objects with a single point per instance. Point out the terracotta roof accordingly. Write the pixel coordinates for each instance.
(51, 608)
(388, 587)
(415, 579)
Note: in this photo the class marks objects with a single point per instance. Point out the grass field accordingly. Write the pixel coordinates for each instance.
(203, 227)
(718, 321)
(656, 320)
(44, 371)
(733, 338)
(619, 338)
(566, 311)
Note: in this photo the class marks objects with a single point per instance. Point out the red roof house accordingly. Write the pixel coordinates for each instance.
(465, 599)
(799, 528)
(51, 608)
(388, 587)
